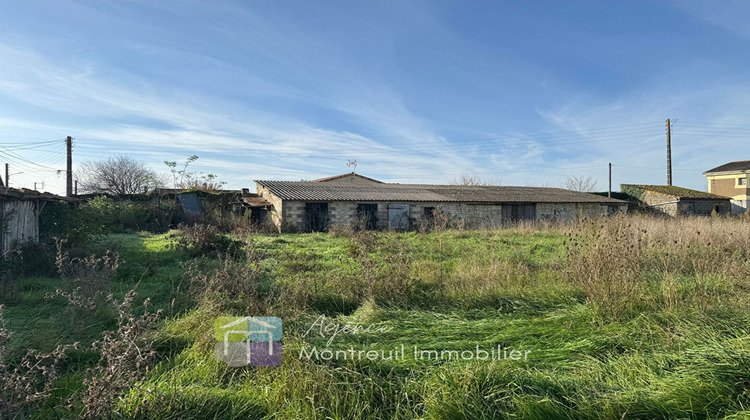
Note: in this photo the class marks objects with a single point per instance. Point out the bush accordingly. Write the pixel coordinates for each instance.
(206, 240)
(79, 225)
(29, 259)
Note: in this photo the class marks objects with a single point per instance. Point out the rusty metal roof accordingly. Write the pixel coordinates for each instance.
(315, 191)
(256, 201)
(736, 166)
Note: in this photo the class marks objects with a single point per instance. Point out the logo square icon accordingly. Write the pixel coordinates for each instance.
(248, 340)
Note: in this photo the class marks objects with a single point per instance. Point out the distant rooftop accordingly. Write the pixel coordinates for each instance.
(738, 165)
(673, 191)
(337, 177)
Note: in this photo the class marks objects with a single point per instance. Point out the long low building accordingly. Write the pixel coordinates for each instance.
(312, 206)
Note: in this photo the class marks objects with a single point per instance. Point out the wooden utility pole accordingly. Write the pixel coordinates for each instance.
(7, 175)
(609, 192)
(69, 171)
(669, 154)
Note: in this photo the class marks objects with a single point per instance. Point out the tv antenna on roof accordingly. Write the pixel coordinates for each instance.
(352, 163)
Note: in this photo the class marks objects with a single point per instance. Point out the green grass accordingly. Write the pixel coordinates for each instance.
(483, 289)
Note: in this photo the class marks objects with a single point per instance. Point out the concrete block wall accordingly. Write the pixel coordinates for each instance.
(652, 198)
(687, 207)
(570, 212)
(669, 209)
(475, 216)
(293, 214)
(704, 207)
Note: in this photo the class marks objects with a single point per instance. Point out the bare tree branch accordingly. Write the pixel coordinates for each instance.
(580, 183)
(117, 175)
(473, 180)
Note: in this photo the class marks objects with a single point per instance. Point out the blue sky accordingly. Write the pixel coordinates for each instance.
(517, 92)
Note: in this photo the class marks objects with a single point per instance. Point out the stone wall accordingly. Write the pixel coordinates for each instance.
(569, 212)
(275, 213)
(473, 216)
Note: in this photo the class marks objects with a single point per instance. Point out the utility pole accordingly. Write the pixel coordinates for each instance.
(69, 172)
(609, 192)
(75, 190)
(7, 175)
(669, 153)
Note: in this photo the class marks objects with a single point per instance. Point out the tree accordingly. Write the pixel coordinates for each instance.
(185, 180)
(117, 175)
(473, 180)
(580, 183)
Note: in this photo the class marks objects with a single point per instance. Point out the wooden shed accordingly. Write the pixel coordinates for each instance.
(19, 215)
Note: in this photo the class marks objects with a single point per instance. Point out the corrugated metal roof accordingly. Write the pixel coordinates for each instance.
(739, 165)
(315, 191)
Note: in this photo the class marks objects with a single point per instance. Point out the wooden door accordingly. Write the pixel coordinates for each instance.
(316, 217)
(516, 212)
(398, 216)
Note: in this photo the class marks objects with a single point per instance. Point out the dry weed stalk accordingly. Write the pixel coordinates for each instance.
(32, 381)
(126, 356)
(701, 262)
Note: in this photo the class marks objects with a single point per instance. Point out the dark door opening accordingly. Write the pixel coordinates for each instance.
(517, 212)
(258, 215)
(316, 217)
(367, 216)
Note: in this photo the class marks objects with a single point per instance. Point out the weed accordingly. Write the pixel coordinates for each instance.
(126, 356)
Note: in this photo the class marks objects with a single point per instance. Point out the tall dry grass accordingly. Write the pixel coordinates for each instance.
(626, 262)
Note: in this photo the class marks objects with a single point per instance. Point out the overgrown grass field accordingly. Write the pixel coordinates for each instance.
(620, 318)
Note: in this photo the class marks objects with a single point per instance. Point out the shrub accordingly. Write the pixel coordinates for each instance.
(206, 240)
(28, 259)
(77, 226)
